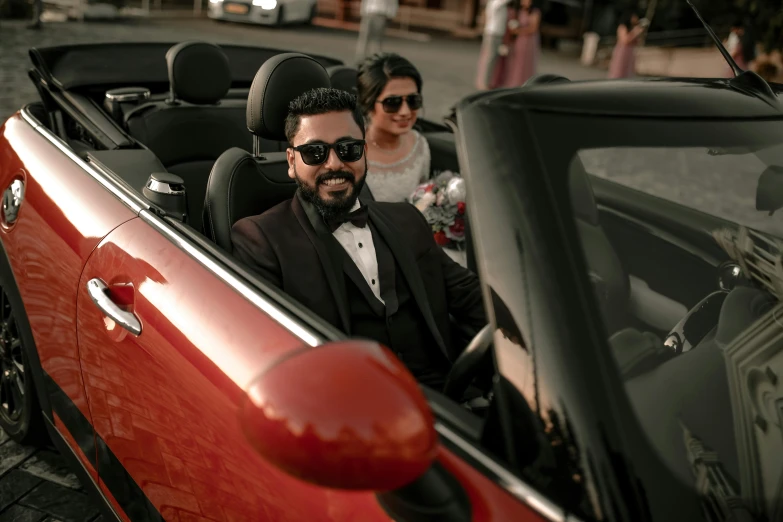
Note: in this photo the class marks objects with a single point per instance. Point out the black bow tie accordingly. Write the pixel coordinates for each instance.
(358, 218)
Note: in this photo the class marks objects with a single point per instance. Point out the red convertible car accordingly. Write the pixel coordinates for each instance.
(626, 240)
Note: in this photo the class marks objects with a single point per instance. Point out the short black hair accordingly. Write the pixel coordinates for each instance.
(375, 73)
(321, 100)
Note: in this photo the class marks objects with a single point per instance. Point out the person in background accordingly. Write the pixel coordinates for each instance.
(398, 157)
(630, 30)
(521, 45)
(37, 12)
(495, 20)
(375, 14)
(741, 45)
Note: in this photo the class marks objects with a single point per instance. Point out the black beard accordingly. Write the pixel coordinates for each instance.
(340, 204)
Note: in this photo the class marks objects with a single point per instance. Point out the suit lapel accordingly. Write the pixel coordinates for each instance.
(331, 260)
(386, 271)
(409, 270)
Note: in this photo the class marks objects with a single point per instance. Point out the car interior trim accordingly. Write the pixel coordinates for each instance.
(267, 306)
(504, 478)
(660, 234)
(467, 424)
(78, 114)
(130, 200)
(98, 118)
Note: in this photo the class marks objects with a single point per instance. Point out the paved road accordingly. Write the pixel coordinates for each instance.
(36, 486)
(448, 66)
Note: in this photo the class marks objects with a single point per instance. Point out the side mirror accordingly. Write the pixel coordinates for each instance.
(769, 191)
(345, 415)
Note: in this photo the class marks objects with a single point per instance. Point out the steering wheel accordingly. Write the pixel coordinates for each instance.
(467, 365)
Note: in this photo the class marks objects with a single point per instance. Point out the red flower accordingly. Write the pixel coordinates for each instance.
(461, 207)
(441, 239)
(457, 230)
(429, 187)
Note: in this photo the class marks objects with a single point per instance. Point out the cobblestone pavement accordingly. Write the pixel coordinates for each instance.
(448, 66)
(36, 486)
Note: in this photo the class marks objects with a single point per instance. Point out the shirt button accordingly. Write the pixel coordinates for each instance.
(360, 245)
(373, 281)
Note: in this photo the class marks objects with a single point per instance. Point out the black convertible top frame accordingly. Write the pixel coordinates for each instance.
(138, 64)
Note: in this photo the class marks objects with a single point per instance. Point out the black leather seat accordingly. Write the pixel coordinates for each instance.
(242, 183)
(343, 77)
(610, 280)
(190, 129)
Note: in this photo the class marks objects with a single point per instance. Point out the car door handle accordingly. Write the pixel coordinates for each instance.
(99, 295)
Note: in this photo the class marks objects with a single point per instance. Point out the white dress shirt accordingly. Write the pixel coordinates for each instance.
(357, 242)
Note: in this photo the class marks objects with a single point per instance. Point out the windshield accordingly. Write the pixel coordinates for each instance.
(681, 229)
(741, 185)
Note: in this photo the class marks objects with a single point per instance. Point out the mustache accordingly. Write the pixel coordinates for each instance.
(323, 178)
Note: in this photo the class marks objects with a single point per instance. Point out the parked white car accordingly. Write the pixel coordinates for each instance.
(264, 12)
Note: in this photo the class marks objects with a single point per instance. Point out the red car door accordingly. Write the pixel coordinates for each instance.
(63, 213)
(164, 402)
(164, 391)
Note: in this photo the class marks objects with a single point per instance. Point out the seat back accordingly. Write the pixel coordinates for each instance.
(241, 183)
(191, 128)
(246, 185)
(343, 77)
(610, 280)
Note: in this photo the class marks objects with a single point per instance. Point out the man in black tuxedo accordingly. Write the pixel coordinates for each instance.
(371, 269)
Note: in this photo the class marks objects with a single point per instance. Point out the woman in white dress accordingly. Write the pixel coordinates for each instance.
(398, 157)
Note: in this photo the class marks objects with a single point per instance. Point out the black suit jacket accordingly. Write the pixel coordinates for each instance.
(290, 247)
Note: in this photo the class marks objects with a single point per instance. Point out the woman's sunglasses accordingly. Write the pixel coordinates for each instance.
(392, 104)
(316, 153)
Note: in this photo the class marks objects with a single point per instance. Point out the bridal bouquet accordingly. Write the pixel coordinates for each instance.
(442, 201)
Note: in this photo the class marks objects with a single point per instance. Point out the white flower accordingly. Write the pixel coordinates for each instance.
(426, 200)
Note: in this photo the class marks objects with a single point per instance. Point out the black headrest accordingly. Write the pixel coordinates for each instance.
(343, 77)
(198, 72)
(279, 80)
(582, 196)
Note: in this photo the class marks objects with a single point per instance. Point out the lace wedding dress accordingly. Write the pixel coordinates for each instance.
(397, 181)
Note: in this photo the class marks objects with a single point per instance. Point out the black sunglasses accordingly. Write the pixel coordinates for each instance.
(316, 153)
(392, 104)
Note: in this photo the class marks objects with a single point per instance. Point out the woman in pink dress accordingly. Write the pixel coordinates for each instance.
(742, 47)
(623, 64)
(521, 45)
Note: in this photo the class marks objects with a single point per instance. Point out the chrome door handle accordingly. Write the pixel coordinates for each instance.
(97, 290)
